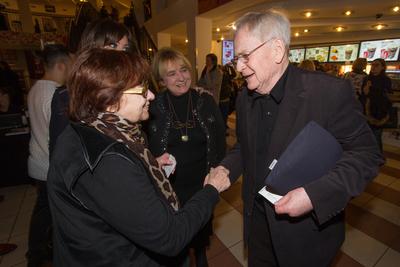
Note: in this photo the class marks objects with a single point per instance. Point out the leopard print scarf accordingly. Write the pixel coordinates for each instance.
(132, 136)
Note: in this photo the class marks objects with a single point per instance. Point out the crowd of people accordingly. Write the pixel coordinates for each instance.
(372, 90)
(102, 142)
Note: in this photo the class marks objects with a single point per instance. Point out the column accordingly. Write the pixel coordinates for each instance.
(199, 33)
(163, 40)
(25, 16)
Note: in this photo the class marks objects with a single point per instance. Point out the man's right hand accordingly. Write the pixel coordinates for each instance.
(219, 178)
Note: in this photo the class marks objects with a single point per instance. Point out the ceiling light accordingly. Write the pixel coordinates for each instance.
(379, 26)
(297, 34)
(348, 12)
(222, 38)
(306, 30)
(150, 49)
(396, 9)
(339, 28)
(234, 27)
(186, 41)
(308, 14)
(218, 29)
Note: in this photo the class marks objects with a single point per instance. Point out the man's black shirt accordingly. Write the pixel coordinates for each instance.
(265, 108)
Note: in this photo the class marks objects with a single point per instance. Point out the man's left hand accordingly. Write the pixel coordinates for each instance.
(295, 203)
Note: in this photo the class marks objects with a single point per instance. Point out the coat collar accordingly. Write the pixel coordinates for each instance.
(294, 92)
(288, 112)
(94, 144)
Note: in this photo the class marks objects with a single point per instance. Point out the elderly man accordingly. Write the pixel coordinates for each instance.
(306, 227)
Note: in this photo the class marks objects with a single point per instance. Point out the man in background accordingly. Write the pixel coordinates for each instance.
(56, 60)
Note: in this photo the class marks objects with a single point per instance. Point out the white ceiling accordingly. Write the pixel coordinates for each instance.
(328, 14)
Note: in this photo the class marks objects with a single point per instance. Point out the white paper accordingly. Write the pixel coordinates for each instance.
(170, 168)
(272, 165)
(273, 198)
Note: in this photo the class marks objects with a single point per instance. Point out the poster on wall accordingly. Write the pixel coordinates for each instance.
(343, 53)
(297, 55)
(227, 51)
(386, 49)
(317, 53)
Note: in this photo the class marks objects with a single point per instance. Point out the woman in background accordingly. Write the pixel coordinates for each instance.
(104, 33)
(357, 75)
(110, 200)
(188, 126)
(307, 65)
(211, 77)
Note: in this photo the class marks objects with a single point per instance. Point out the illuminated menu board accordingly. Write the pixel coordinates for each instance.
(227, 51)
(317, 53)
(386, 49)
(296, 55)
(342, 53)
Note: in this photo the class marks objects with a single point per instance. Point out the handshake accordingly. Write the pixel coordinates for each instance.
(218, 177)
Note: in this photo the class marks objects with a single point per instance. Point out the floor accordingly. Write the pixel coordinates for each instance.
(372, 221)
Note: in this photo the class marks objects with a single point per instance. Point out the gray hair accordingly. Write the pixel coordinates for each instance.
(266, 25)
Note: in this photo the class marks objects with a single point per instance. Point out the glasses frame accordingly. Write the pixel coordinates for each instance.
(141, 89)
(246, 56)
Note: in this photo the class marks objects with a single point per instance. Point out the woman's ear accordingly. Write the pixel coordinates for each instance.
(114, 108)
(162, 83)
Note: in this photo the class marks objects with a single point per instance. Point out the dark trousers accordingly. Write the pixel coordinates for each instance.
(260, 249)
(39, 250)
(224, 108)
(378, 136)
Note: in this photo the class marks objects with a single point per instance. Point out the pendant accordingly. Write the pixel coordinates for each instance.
(185, 138)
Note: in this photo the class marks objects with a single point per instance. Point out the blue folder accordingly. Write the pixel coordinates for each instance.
(310, 155)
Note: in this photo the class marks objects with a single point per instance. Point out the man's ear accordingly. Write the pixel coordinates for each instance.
(279, 50)
(61, 66)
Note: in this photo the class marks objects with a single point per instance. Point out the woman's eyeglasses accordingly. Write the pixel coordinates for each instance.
(138, 90)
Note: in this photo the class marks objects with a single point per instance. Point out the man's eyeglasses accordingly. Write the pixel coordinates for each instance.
(245, 57)
(138, 90)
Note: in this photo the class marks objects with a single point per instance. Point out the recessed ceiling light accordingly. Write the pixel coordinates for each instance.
(218, 29)
(339, 28)
(348, 12)
(297, 34)
(306, 30)
(379, 26)
(396, 9)
(308, 14)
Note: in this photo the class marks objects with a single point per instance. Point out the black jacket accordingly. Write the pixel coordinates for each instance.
(59, 115)
(206, 113)
(314, 239)
(106, 210)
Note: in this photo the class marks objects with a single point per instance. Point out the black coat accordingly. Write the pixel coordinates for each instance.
(206, 113)
(106, 210)
(312, 240)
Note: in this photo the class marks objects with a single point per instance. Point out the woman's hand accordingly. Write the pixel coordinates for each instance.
(164, 160)
(366, 88)
(218, 178)
(202, 90)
